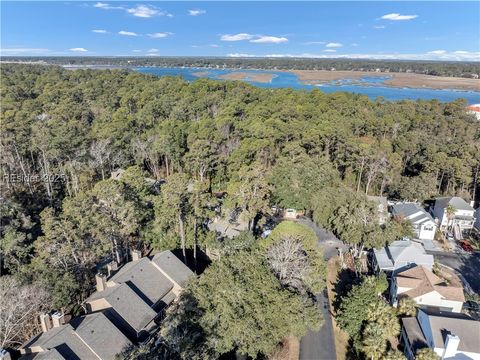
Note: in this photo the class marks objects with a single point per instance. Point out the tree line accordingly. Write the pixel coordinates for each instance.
(434, 68)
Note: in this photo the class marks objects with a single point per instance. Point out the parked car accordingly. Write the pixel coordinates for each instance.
(466, 245)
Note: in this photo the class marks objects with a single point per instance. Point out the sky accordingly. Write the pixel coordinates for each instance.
(377, 29)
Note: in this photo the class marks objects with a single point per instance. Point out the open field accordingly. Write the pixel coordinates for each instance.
(401, 80)
(257, 77)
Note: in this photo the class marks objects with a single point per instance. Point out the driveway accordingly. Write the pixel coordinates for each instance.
(320, 345)
(326, 239)
(467, 264)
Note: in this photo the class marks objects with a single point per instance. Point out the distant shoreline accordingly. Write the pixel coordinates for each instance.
(316, 77)
(397, 80)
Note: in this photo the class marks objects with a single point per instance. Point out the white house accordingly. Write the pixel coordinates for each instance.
(463, 216)
(423, 224)
(426, 289)
(401, 255)
(477, 219)
(452, 336)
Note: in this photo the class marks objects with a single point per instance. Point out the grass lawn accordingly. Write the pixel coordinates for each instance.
(341, 337)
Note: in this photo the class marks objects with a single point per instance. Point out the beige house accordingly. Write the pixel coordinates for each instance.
(126, 308)
(426, 289)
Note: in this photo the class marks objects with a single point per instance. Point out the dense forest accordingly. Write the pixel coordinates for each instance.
(435, 68)
(191, 151)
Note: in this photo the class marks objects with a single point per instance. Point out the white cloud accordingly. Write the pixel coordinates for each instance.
(437, 52)
(461, 52)
(260, 39)
(330, 50)
(105, 6)
(269, 40)
(99, 31)
(79, 49)
(239, 55)
(127, 33)
(144, 11)
(160, 35)
(196, 12)
(314, 43)
(355, 44)
(236, 37)
(136, 51)
(153, 54)
(333, 45)
(379, 27)
(396, 17)
(152, 51)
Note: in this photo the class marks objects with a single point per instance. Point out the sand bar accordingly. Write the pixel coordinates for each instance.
(257, 77)
(399, 80)
(201, 74)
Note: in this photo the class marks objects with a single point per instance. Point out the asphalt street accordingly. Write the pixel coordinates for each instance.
(320, 345)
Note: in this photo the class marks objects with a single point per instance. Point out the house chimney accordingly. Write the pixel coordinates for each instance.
(101, 282)
(136, 255)
(112, 268)
(451, 346)
(58, 319)
(5, 355)
(45, 322)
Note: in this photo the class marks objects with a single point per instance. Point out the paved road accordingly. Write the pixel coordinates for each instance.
(467, 264)
(320, 345)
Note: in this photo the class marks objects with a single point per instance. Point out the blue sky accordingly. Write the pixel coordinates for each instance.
(383, 30)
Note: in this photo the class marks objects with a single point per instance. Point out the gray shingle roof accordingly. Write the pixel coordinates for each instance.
(461, 325)
(457, 202)
(145, 279)
(130, 307)
(101, 335)
(173, 267)
(52, 354)
(414, 333)
(400, 253)
(415, 213)
(88, 337)
(65, 341)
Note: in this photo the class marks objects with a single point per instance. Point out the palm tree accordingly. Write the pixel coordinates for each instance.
(426, 354)
(407, 306)
(374, 343)
(450, 211)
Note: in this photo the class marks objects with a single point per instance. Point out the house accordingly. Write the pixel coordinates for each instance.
(451, 335)
(400, 255)
(92, 336)
(475, 108)
(463, 215)
(382, 208)
(124, 310)
(139, 292)
(423, 224)
(426, 289)
(477, 219)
